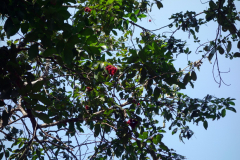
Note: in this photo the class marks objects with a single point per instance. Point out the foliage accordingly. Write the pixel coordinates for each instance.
(68, 73)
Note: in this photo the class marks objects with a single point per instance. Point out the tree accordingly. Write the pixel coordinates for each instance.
(67, 73)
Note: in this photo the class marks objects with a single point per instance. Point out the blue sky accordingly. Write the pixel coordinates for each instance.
(221, 141)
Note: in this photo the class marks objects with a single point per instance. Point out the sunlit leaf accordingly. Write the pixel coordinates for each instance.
(223, 112)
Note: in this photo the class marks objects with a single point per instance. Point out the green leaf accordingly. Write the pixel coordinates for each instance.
(174, 131)
(153, 154)
(114, 32)
(6, 153)
(220, 49)
(20, 144)
(109, 152)
(125, 25)
(142, 16)
(97, 130)
(109, 2)
(133, 17)
(237, 54)
(145, 135)
(60, 46)
(229, 46)
(37, 86)
(71, 129)
(11, 28)
(121, 95)
(5, 117)
(41, 98)
(212, 5)
(91, 39)
(64, 13)
(38, 153)
(45, 118)
(186, 79)
(1, 155)
(33, 51)
(138, 143)
(163, 146)
(223, 112)
(238, 45)
(142, 55)
(238, 33)
(159, 4)
(68, 55)
(194, 76)
(231, 109)
(210, 16)
(157, 139)
(136, 11)
(24, 27)
(109, 53)
(49, 52)
(210, 56)
(39, 107)
(156, 93)
(79, 127)
(87, 32)
(138, 111)
(2, 104)
(205, 124)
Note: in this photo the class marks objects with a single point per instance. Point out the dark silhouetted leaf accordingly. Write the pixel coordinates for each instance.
(159, 4)
(186, 79)
(33, 51)
(229, 46)
(11, 28)
(238, 45)
(45, 118)
(41, 98)
(5, 117)
(24, 27)
(156, 93)
(205, 124)
(231, 109)
(237, 54)
(194, 76)
(220, 49)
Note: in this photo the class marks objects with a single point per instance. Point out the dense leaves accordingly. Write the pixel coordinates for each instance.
(70, 71)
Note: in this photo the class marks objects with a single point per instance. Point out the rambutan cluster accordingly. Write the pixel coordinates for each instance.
(87, 9)
(132, 123)
(87, 107)
(111, 69)
(89, 89)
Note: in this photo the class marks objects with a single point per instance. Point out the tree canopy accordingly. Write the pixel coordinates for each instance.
(67, 69)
